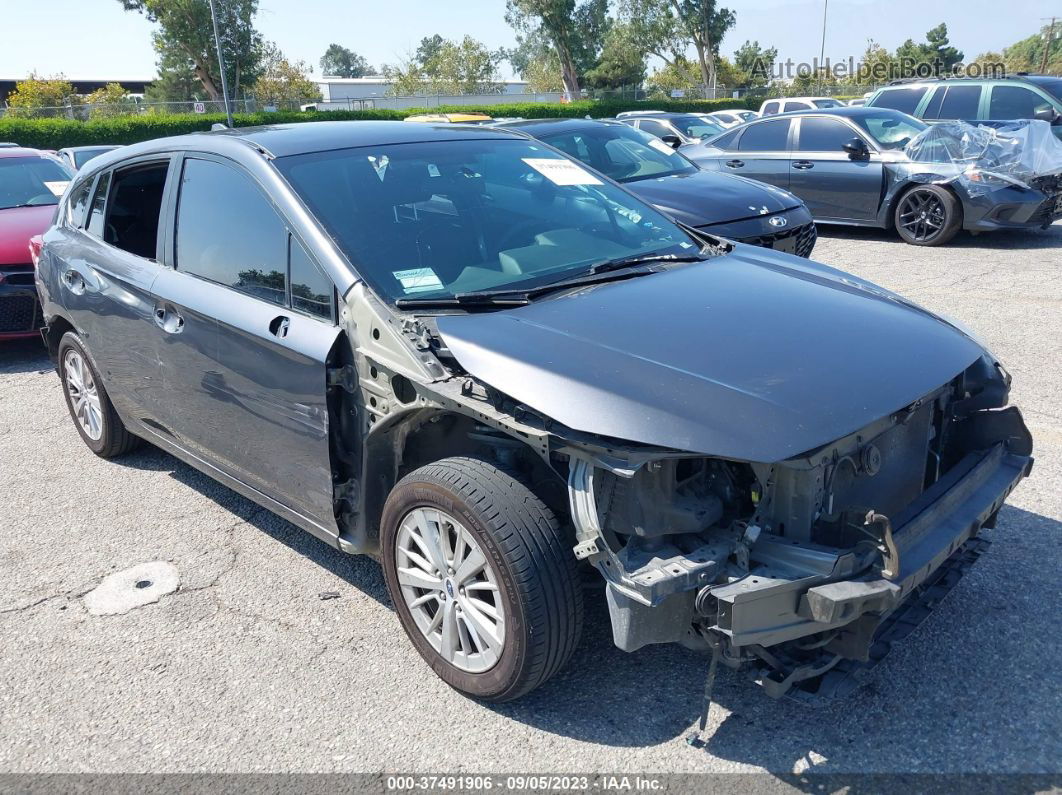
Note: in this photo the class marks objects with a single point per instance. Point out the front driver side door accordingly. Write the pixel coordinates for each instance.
(256, 396)
(762, 153)
(833, 184)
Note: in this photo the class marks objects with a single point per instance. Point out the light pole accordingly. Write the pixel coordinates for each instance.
(221, 66)
(822, 48)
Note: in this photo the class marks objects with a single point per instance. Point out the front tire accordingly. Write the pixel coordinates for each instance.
(483, 578)
(928, 215)
(90, 408)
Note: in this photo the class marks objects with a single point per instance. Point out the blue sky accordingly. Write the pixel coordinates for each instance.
(98, 39)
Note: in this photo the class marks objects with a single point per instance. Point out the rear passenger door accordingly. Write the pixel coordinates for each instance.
(106, 276)
(832, 183)
(762, 153)
(249, 323)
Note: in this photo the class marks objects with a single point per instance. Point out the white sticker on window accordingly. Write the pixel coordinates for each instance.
(418, 280)
(660, 146)
(57, 187)
(433, 170)
(561, 172)
(379, 165)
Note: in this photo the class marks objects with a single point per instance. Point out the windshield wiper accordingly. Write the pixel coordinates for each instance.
(641, 259)
(498, 298)
(598, 273)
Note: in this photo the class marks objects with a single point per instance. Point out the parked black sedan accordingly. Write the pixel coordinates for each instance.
(728, 206)
(850, 166)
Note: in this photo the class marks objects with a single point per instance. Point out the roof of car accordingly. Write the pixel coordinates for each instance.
(908, 82)
(21, 151)
(93, 147)
(280, 140)
(850, 111)
(538, 127)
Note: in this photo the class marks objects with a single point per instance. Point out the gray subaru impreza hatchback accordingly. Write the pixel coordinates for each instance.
(460, 351)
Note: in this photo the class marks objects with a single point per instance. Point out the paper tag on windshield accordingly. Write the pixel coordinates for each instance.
(57, 187)
(418, 280)
(561, 172)
(660, 146)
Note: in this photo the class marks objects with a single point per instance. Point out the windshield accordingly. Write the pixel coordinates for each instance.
(436, 219)
(697, 126)
(826, 103)
(891, 129)
(1052, 85)
(31, 181)
(621, 152)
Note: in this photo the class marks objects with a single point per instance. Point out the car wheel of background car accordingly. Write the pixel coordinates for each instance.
(94, 416)
(928, 215)
(482, 576)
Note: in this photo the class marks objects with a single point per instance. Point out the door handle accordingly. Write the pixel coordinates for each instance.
(735, 163)
(803, 164)
(168, 319)
(278, 326)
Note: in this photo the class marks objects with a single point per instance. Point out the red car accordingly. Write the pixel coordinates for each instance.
(31, 183)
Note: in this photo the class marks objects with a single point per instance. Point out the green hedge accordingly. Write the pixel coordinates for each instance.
(58, 133)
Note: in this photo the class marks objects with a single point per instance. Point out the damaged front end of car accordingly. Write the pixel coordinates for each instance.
(797, 570)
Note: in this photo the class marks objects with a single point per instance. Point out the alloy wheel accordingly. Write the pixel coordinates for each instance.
(450, 589)
(922, 214)
(83, 394)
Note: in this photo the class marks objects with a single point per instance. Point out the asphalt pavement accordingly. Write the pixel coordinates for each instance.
(247, 664)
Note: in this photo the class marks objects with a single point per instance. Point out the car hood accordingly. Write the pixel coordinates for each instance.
(704, 198)
(753, 356)
(17, 226)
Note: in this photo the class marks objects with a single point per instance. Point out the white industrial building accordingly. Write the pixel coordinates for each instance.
(360, 93)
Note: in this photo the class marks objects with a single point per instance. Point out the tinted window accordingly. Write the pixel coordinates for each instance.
(428, 220)
(311, 290)
(826, 103)
(768, 136)
(79, 202)
(824, 135)
(769, 108)
(30, 181)
(902, 99)
(655, 128)
(99, 202)
(83, 156)
(726, 141)
(932, 109)
(791, 106)
(1015, 102)
(960, 102)
(229, 233)
(133, 209)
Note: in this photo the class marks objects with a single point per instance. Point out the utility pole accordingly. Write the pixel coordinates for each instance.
(1048, 40)
(221, 66)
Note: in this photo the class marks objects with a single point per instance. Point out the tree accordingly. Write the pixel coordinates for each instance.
(667, 28)
(185, 40)
(933, 57)
(1027, 55)
(36, 92)
(338, 61)
(464, 67)
(111, 100)
(621, 63)
(575, 31)
(543, 75)
(988, 64)
(428, 48)
(283, 81)
(875, 67)
(754, 64)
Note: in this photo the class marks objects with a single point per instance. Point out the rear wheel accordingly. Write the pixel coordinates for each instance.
(94, 417)
(483, 578)
(928, 215)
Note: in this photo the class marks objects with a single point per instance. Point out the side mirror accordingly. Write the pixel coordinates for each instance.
(671, 140)
(857, 147)
(1050, 115)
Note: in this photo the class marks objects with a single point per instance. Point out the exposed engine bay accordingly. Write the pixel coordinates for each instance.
(791, 568)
